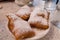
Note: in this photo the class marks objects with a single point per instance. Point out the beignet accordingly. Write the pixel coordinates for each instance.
(39, 18)
(19, 28)
(24, 12)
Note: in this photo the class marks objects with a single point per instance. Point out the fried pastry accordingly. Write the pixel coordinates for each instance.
(39, 18)
(24, 12)
(19, 28)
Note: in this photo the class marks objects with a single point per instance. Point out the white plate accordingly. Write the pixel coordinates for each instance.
(39, 32)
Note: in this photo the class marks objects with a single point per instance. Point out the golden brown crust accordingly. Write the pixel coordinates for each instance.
(41, 24)
(24, 35)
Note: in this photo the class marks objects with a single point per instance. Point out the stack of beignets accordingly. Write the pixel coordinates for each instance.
(20, 28)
